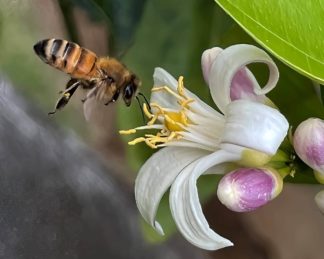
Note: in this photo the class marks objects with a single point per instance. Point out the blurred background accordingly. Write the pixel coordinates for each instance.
(144, 35)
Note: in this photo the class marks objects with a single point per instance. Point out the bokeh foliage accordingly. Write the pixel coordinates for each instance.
(122, 18)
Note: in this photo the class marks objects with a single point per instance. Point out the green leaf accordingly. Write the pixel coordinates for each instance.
(291, 30)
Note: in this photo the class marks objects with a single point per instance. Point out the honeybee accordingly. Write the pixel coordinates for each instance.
(105, 77)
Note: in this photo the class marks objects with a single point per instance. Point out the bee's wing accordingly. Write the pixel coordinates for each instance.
(89, 107)
(96, 100)
(97, 113)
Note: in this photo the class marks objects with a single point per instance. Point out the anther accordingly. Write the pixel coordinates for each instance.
(181, 87)
(137, 140)
(127, 132)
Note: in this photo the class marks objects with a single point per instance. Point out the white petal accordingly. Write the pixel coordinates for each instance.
(254, 125)
(229, 62)
(185, 205)
(157, 175)
(162, 77)
(164, 99)
(187, 144)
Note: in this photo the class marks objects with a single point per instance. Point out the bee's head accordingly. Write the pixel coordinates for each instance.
(130, 89)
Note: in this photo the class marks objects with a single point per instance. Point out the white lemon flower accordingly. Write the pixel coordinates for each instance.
(197, 139)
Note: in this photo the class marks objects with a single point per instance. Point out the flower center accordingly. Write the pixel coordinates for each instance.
(170, 122)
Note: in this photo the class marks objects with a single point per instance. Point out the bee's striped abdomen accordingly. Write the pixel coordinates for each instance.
(68, 57)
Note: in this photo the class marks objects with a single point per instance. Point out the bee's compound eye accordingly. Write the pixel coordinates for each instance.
(129, 91)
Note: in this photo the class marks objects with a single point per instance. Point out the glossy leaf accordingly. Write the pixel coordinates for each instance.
(291, 30)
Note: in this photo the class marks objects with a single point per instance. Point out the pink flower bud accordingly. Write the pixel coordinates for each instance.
(309, 144)
(247, 189)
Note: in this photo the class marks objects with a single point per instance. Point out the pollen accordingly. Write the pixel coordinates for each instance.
(170, 122)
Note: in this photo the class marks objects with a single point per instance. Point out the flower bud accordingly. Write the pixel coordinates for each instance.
(309, 144)
(247, 189)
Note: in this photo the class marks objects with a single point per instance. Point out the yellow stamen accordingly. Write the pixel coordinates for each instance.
(153, 120)
(160, 109)
(184, 118)
(185, 103)
(158, 140)
(180, 88)
(172, 136)
(165, 88)
(146, 111)
(137, 140)
(150, 144)
(172, 122)
(175, 120)
(159, 112)
(127, 132)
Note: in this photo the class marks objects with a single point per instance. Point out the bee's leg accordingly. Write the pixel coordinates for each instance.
(114, 98)
(71, 82)
(66, 96)
(92, 86)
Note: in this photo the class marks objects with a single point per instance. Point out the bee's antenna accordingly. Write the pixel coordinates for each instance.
(140, 106)
(146, 101)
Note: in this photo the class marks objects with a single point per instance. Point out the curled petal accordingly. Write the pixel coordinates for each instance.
(230, 80)
(254, 125)
(185, 205)
(243, 87)
(207, 59)
(157, 175)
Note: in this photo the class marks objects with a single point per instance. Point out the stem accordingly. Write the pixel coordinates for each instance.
(285, 172)
(281, 156)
